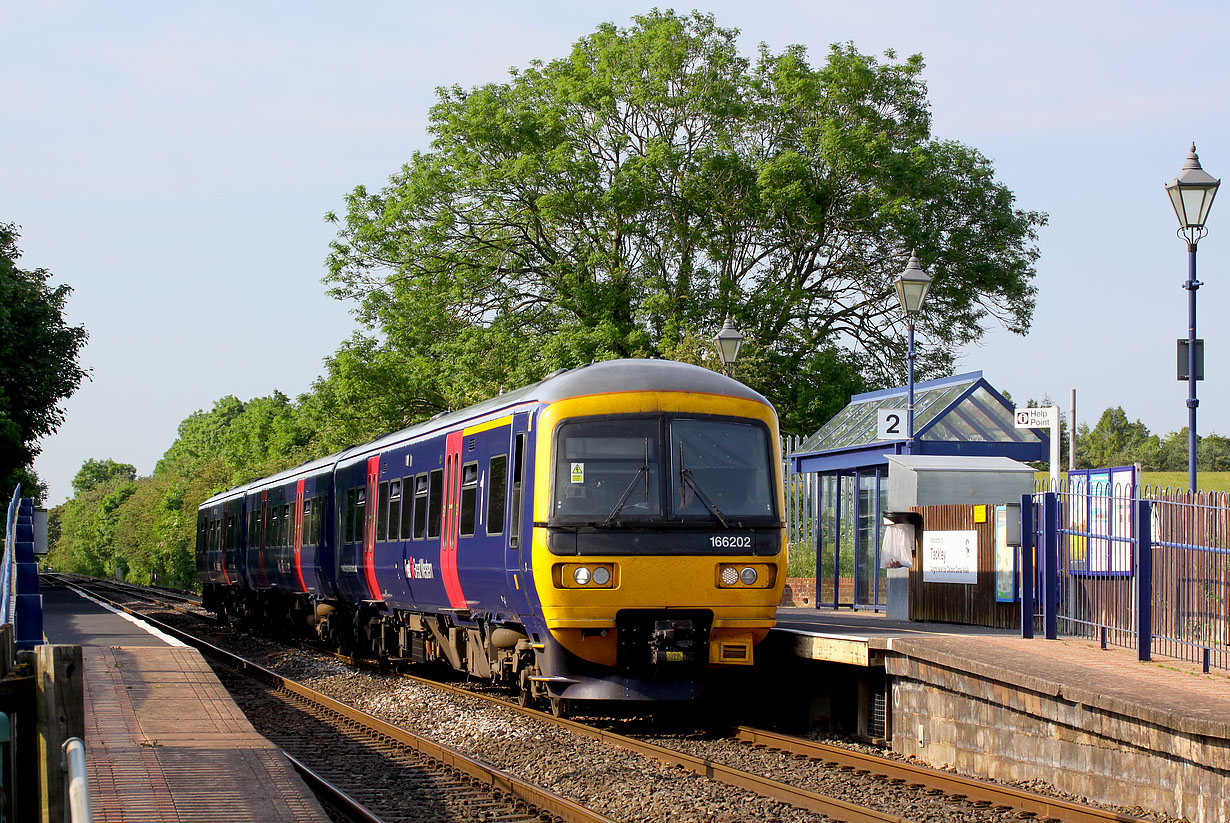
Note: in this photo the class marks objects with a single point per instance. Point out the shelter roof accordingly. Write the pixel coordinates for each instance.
(958, 415)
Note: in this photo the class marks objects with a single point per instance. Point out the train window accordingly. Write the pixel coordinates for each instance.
(469, 498)
(435, 503)
(497, 488)
(349, 520)
(394, 509)
(308, 514)
(518, 476)
(420, 506)
(288, 525)
(275, 522)
(318, 516)
(407, 508)
(360, 515)
(723, 465)
(607, 468)
(382, 511)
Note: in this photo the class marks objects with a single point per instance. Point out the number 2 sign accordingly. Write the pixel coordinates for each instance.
(890, 424)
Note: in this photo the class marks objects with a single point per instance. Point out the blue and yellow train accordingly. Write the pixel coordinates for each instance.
(613, 532)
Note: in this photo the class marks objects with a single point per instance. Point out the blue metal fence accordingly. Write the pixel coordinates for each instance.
(20, 601)
(1131, 566)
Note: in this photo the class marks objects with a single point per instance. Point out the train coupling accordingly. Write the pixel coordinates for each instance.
(672, 641)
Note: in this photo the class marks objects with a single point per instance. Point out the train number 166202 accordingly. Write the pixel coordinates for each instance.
(724, 541)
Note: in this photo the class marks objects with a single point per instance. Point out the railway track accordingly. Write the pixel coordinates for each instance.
(367, 769)
(819, 778)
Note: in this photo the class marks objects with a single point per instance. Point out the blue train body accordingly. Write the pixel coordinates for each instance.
(589, 537)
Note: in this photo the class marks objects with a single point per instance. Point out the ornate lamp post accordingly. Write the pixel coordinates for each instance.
(1191, 194)
(912, 286)
(728, 342)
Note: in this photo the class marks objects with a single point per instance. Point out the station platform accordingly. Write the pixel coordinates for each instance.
(164, 741)
(1095, 722)
(1164, 691)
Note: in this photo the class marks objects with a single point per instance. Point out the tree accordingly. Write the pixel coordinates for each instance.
(616, 201)
(96, 472)
(38, 363)
(1116, 441)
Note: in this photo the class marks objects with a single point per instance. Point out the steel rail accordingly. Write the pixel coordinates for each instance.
(497, 781)
(345, 805)
(954, 785)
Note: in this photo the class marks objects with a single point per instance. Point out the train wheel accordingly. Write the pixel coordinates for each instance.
(560, 707)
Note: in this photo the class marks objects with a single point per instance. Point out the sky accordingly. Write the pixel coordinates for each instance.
(172, 163)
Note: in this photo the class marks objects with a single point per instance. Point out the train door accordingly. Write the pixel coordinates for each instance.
(297, 546)
(369, 528)
(517, 546)
(452, 506)
(259, 539)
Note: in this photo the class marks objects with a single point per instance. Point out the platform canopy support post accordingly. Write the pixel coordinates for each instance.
(1027, 566)
(1144, 581)
(1050, 565)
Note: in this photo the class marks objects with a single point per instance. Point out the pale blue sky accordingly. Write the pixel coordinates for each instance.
(172, 163)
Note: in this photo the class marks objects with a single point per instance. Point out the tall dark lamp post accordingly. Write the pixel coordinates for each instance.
(1191, 194)
(728, 342)
(912, 287)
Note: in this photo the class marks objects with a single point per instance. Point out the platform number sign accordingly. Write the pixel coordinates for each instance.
(890, 424)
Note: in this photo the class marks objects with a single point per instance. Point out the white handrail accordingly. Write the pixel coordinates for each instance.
(78, 784)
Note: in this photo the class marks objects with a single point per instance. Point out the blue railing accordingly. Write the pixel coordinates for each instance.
(20, 601)
(1130, 566)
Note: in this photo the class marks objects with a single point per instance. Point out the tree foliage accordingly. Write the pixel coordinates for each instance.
(615, 201)
(143, 529)
(38, 363)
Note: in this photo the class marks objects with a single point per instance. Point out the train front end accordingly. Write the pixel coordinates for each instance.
(659, 550)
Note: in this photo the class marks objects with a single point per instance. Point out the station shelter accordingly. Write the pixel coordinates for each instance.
(958, 416)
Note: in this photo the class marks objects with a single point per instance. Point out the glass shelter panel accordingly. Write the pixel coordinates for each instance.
(826, 562)
(865, 566)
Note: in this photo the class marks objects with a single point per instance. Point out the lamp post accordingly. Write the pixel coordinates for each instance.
(728, 341)
(912, 286)
(1191, 194)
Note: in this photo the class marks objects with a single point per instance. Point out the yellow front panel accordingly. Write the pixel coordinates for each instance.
(648, 581)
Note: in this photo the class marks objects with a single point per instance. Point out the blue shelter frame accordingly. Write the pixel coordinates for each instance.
(959, 415)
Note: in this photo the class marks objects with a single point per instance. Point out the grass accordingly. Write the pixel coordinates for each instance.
(1205, 481)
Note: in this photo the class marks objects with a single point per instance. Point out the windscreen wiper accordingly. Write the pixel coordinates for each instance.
(685, 476)
(623, 498)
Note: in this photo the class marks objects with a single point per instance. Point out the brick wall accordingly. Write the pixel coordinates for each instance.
(993, 729)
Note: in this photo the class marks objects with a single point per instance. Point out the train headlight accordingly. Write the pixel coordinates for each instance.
(586, 575)
(751, 576)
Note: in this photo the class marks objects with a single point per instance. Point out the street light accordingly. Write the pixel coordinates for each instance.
(1191, 194)
(912, 286)
(728, 342)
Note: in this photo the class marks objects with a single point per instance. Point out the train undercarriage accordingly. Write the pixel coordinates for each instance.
(661, 655)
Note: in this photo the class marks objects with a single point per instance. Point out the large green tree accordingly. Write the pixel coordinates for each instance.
(38, 363)
(622, 200)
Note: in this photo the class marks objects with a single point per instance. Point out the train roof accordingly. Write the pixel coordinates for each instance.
(604, 377)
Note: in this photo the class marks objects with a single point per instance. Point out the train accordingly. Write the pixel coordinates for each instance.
(613, 532)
